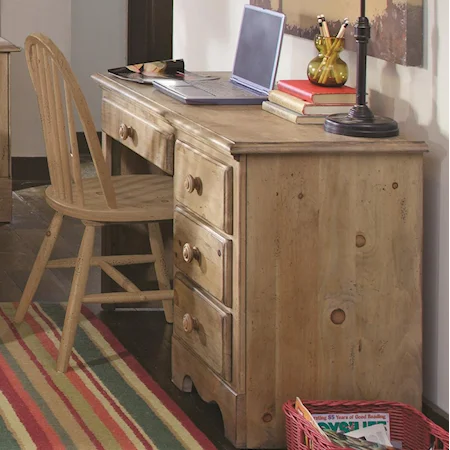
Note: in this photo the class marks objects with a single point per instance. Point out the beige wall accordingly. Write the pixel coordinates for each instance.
(91, 34)
(205, 36)
(18, 19)
(99, 42)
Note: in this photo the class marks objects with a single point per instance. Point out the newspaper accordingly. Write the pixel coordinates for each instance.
(345, 441)
(368, 430)
(378, 434)
(345, 423)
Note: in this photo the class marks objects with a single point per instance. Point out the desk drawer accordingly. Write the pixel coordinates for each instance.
(204, 327)
(204, 185)
(203, 255)
(153, 142)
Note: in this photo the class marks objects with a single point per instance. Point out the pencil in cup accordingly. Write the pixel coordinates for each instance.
(333, 46)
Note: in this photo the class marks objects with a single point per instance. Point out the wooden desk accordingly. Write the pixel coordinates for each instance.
(5, 132)
(297, 257)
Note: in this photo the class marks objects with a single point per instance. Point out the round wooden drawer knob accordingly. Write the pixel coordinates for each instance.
(125, 131)
(191, 184)
(190, 253)
(189, 323)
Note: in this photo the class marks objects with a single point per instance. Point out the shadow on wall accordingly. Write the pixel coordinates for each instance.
(199, 21)
(436, 207)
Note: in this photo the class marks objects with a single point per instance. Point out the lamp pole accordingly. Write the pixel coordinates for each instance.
(362, 36)
(360, 121)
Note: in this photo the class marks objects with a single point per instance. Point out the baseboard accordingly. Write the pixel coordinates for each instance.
(434, 413)
(35, 168)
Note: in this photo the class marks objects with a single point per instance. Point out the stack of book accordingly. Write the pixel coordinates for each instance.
(303, 102)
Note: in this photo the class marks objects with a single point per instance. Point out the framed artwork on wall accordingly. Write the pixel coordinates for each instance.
(396, 25)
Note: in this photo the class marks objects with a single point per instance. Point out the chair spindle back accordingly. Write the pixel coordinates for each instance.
(59, 95)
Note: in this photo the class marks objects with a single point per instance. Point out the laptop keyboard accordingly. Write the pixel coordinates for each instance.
(223, 89)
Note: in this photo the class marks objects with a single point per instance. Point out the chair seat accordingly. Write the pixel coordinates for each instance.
(140, 198)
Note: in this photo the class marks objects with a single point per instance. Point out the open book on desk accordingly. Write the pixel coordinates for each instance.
(145, 73)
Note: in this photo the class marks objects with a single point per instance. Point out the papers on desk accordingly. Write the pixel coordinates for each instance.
(145, 73)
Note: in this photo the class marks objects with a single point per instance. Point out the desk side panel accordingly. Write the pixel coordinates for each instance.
(334, 245)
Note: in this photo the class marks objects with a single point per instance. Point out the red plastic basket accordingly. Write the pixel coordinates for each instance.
(407, 425)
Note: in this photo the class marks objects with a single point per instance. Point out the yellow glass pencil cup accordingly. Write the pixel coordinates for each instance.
(327, 68)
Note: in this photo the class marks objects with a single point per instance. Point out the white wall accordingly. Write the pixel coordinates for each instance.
(99, 42)
(19, 18)
(91, 34)
(205, 36)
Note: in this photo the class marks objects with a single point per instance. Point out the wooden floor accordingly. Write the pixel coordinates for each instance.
(143, 332)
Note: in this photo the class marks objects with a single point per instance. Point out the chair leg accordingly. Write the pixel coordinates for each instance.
(157, 245)
(77, 291)
(39, 266)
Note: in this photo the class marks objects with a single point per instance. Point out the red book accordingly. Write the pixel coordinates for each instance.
(319, 95)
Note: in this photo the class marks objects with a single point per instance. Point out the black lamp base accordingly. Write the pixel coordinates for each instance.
(360, 121)
(372, 127)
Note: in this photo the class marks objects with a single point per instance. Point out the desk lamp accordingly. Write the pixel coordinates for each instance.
(360, 121)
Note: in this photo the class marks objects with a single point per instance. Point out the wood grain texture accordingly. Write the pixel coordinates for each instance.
(140, 198)
(8, 47)
(145, 333)
(212, 269)
(322, 280)
(5, 135)
(129, 297)
(313, 263)
(76, 295)
(48, 69)
(39, 266)
(107, 143)
(5, 156)
(188, 369)
(5, 130)
(211, 340)
(114, 260)
(204, 185)
(21, 240)
(96, 201)
(147, 139)
(160, 266)
(247, 129)
(5, 199)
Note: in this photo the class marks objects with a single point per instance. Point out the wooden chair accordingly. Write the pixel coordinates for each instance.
(95, 201)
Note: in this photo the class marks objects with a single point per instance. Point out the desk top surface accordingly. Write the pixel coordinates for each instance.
(7, 47)
(248, 129)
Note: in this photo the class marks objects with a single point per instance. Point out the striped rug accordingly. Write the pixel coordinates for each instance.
(104, 401)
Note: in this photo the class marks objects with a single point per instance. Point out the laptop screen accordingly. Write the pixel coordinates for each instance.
(259, 47)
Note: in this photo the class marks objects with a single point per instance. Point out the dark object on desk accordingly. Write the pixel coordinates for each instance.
(145, 73)
(254, 70)
(360, 121)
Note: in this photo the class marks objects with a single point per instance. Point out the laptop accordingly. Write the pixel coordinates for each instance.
(255, 65)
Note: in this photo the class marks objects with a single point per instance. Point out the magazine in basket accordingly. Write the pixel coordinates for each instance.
(358, 431)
